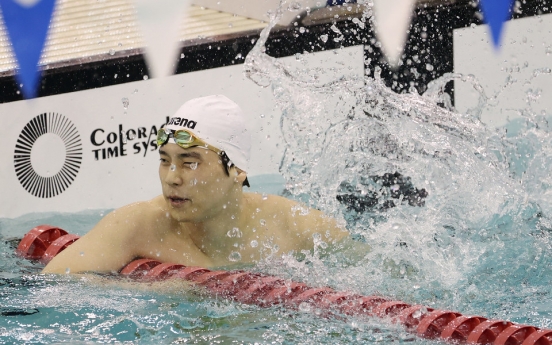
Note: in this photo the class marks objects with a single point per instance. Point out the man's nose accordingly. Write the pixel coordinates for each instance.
(173, 176)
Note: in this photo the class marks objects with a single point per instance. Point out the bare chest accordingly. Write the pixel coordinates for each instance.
(167, 247)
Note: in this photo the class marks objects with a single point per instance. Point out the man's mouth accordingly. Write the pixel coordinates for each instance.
(176, 201)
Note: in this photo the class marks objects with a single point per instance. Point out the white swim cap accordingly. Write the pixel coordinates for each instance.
(218, 121)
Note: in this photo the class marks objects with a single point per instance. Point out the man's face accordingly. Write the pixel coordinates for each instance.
(195, 185)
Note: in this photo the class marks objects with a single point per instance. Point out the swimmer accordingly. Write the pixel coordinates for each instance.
(203, 217)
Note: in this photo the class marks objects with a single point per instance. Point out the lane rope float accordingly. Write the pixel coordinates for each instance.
(44, 242)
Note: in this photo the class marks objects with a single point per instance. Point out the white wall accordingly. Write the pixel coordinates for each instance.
(526, 48)
(113, 182)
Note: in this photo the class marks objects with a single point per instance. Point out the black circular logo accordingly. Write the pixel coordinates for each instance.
(33, 182)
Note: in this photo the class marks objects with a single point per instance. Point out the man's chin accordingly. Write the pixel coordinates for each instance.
(181, 215)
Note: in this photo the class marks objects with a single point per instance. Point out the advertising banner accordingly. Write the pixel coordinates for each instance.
(96, 149)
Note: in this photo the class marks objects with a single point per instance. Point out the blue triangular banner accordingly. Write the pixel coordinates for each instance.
(495, 13)
(27, 28)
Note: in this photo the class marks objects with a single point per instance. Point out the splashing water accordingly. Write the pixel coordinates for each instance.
(456, 215)
(475, 212)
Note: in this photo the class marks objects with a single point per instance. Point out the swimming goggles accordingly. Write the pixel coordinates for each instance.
(184, 139)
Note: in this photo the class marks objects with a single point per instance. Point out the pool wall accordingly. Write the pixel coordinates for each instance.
(517, 75)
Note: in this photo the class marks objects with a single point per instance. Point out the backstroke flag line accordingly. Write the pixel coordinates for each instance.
(159, 21)
(27, 23)
(495, 13)
(392, 20)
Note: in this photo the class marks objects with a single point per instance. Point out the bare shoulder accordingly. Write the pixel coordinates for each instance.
(274, 202)
(133, 216)
(275, 207)
(298, 219)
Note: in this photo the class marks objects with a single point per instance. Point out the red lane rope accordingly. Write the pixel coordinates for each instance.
(35, 242)
(45, 241)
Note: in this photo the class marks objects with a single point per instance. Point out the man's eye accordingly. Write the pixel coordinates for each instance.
(191, 165)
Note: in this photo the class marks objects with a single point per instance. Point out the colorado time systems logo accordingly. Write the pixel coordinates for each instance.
(48, 155)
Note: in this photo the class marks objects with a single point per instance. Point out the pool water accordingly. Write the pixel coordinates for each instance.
(509, 280)
(39, 309)
(477, 240)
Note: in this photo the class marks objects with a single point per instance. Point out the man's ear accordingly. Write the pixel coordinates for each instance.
(239, 175)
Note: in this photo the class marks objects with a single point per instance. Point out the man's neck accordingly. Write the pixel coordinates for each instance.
(216, 236)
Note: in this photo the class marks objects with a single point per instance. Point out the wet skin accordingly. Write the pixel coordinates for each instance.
(203, 218)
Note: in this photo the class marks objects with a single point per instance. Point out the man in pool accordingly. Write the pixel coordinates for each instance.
(203, 217)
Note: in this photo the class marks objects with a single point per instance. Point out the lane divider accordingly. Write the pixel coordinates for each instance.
(44, 242)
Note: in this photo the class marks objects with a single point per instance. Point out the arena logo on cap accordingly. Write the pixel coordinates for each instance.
(177, 121)
(48, 168)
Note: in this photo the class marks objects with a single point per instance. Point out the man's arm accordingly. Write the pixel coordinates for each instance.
(106, 248)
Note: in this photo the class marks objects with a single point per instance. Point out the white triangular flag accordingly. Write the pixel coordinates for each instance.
(159, 21)
(392, 19)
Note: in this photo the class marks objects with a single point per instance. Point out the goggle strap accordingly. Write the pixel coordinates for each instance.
(172, 140)
(222, 153)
